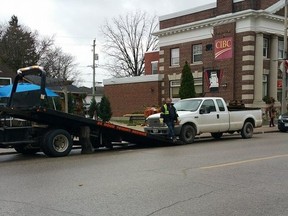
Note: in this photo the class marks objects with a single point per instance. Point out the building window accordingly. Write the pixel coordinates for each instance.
(265, 47)
(265, 85)
(5, 81)
(175, 56)
(154, 67)
(175, 87)
(280, 49)
(220, 105)
(197, 53)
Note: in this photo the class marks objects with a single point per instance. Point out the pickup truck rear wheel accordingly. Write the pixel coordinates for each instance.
(247, 130)
(187, 134)
(217, 135)
(57, 143)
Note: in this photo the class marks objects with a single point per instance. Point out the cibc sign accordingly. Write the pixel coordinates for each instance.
(223, 48)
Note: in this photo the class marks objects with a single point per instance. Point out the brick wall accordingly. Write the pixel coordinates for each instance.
(132, 97)
(187, 19)
(224, 7)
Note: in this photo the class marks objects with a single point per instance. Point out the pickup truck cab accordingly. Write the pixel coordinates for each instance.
(207, 115)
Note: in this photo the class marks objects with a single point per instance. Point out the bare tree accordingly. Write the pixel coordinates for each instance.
(127, 38)
(59, 64)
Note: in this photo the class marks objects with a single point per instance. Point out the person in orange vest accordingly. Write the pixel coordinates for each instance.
(170, 116)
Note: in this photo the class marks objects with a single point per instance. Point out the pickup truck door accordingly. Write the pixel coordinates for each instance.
(210, 119)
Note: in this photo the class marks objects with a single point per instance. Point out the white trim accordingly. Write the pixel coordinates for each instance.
(248, 58)
(248, 48)
(137, 79)
(247, 96)
(6, 78)
(247, 77)
(248, 38)
(247, 87)
(248, 68)
(276, 7)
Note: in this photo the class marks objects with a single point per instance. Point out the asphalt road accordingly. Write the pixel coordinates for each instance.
(229, 177)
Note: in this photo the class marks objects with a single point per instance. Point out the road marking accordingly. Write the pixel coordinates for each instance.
(243, 162)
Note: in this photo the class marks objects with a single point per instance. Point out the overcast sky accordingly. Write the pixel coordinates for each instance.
(75, 23)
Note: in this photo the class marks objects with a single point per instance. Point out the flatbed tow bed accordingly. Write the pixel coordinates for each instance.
(52, 130)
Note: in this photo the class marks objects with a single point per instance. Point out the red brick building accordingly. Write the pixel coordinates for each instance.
(233, 47)
(133, 94)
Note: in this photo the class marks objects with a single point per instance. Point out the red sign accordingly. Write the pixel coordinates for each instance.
(224, 48)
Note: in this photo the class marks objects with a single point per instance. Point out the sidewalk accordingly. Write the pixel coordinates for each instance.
(261, 130)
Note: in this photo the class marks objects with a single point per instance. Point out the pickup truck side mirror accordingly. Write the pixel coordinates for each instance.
(204, 110)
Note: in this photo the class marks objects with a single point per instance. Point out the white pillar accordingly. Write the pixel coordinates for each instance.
(273, 74)
(258, 76)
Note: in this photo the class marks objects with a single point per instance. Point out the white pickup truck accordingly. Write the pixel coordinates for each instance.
(207, 115)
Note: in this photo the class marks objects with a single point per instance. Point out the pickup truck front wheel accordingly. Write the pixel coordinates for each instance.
(187, 134)
(247, 130)
(57, 143)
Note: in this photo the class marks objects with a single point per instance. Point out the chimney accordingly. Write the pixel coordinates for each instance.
(224, 6)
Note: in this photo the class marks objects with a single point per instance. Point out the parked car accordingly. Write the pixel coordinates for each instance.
(283, 122)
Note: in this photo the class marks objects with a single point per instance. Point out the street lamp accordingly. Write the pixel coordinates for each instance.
(284, 105)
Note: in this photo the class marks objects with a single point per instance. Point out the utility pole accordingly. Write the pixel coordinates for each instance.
(284, 85)
(94, 66)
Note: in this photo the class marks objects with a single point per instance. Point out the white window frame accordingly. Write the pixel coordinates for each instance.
(175, 57)
(197, 51)
(177, 83)
(154, 67)
(6, 78)
(265, 85)
(265, 47)
(280, 49)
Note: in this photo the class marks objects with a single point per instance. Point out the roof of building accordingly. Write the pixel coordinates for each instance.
(136, 79)
(188, 11)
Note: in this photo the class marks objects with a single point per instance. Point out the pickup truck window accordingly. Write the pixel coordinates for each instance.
(188, 105)
(208, 105)
(220, 105)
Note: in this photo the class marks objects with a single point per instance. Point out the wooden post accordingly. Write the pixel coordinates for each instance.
(85, 140)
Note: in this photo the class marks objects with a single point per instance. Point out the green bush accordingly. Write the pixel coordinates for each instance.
(187, 88)
(92, 108)
(105, 112)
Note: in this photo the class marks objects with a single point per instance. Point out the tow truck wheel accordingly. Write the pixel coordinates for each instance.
(187, 134)
(57, 143)
(247, 130)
